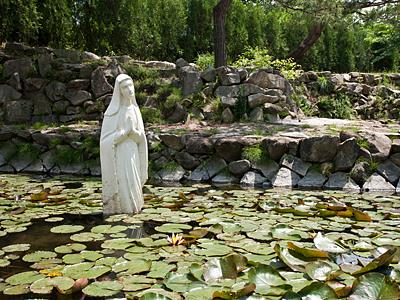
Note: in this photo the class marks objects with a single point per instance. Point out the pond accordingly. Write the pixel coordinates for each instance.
(196, 242)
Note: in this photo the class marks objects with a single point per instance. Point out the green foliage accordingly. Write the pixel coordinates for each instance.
(325, 87)
(307, 107)
(339, 106)
(205, 61)
(67, 155)
(240, 108)
(363, 143)
(254, 154)
(170, 166)
(151, 115)
(259, 58)
(90, 147)
(140, 73)
(373, 166)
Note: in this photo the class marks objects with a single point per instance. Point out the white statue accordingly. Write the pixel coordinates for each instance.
(123, 151)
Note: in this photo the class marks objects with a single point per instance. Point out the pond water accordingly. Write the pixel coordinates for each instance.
(231, 243)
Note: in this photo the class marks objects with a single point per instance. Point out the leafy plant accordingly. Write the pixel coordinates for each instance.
(254, 154)
(363, 143)
(151, 115)
(205, 61)
(339, 106)
(139, 73)
(325, 87)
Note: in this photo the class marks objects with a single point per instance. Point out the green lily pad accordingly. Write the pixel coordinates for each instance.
(67, 229)
(4, 262)
(318, 291)
(307, 252)
(132, 266)
(178, 282)
(325, 244)
(87, 237)
(103, 288)
(85, 270)
(24, 278)
(284, 232)
(320, 270)
(70, 248)
(160, 269)
(117, 244)
(374, 286)
(38, 256)
(54, 219)
(46, 285)
(213, 249)
(108, 229)
(17, 248)
(266, 279)
(380, 261)
(20, 289)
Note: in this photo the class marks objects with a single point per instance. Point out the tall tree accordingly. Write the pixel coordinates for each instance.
(219, 16)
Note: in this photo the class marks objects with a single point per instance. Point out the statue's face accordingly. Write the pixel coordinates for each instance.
(127, 91)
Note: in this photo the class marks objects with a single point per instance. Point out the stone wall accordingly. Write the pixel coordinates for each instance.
(64, 86)
(344, 162)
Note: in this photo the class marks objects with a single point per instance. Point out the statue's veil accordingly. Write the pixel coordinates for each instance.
(115, 103)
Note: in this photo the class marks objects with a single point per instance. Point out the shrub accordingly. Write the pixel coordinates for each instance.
(151, 115)
(363, 143)
(325, 87)
(259, 58)
(204, 61)
(140, 73)
(339, 106)
(254, 154)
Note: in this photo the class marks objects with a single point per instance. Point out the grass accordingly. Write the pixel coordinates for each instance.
(363, 143)
(170, 166)
(67, 155)
(151, 115)
(373, 165)
(254, 154)
(140, 73)
(339, 106)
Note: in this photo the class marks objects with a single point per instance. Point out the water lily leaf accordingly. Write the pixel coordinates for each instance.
(54, 219)
(154, 296)
(325, 244)
(178, 282)
(103, 288)
(296, 264)
(201, 293)
(38, 256)
(106, 261)
(317, 291)
(87, 237)
(160, 269)
(158, 292)
(117, 244)
(307, 252)
(262, 235)
(17, 248)
(268, 281)
(320, 270)
(172, 228)
(67, 229)
(69, 248)
(219, 268)
(361, 216)
(46, 285)
(24, 278)
(4, 262)
(374, 286)
(284, 232)
(85, 270)
(132, 266)
(91, 255)
(71, 259)
(380, 261)
(213, 249)
(108, 229)
(20, 289)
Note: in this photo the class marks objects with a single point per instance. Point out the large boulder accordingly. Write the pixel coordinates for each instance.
(78, 84)
(163, 65)
(228, 101)
(191, 80)
(259, 99)
(224, 178)
(178, 114)
(19, 111)
(295, 164)
(359, 173)
(214, 165)
(256, 115)
(8, 93)
(229, 78)
(199, 145)
(209, 75)
(242, 90)
(227, 116)
(78, 97)
(23, 66)
(341, 181)
(395, 146)
(229, 149)
(395, 158)
(277, 147)
(268, 168)
(379, 146)
(189, 162)
(173, 141)
(44, 62)
(172, 174)
(285, 178)
(55, 90)
(313, 179)
(267, 80)
(319, 149)
(347, 155)
(239, 167)
(252, 178)
(99, 83)
(389, 171)
(41, 105)
(376, 183)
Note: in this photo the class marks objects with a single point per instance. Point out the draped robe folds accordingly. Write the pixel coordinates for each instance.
(123, 164)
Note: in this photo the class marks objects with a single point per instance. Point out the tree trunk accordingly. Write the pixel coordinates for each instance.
(312, 37)
(220, 12)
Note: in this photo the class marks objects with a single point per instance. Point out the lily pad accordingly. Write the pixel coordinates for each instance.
(46, 285)
(24, 278)
(67, 229)
(38, 256)
(374, 286)
(268, 281)
(103, 288)
(17, 248)
(325, 244)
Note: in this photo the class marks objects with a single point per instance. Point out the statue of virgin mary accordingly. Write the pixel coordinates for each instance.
(123, 151)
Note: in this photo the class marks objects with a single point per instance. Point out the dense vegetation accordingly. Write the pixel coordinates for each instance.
(356, 39)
